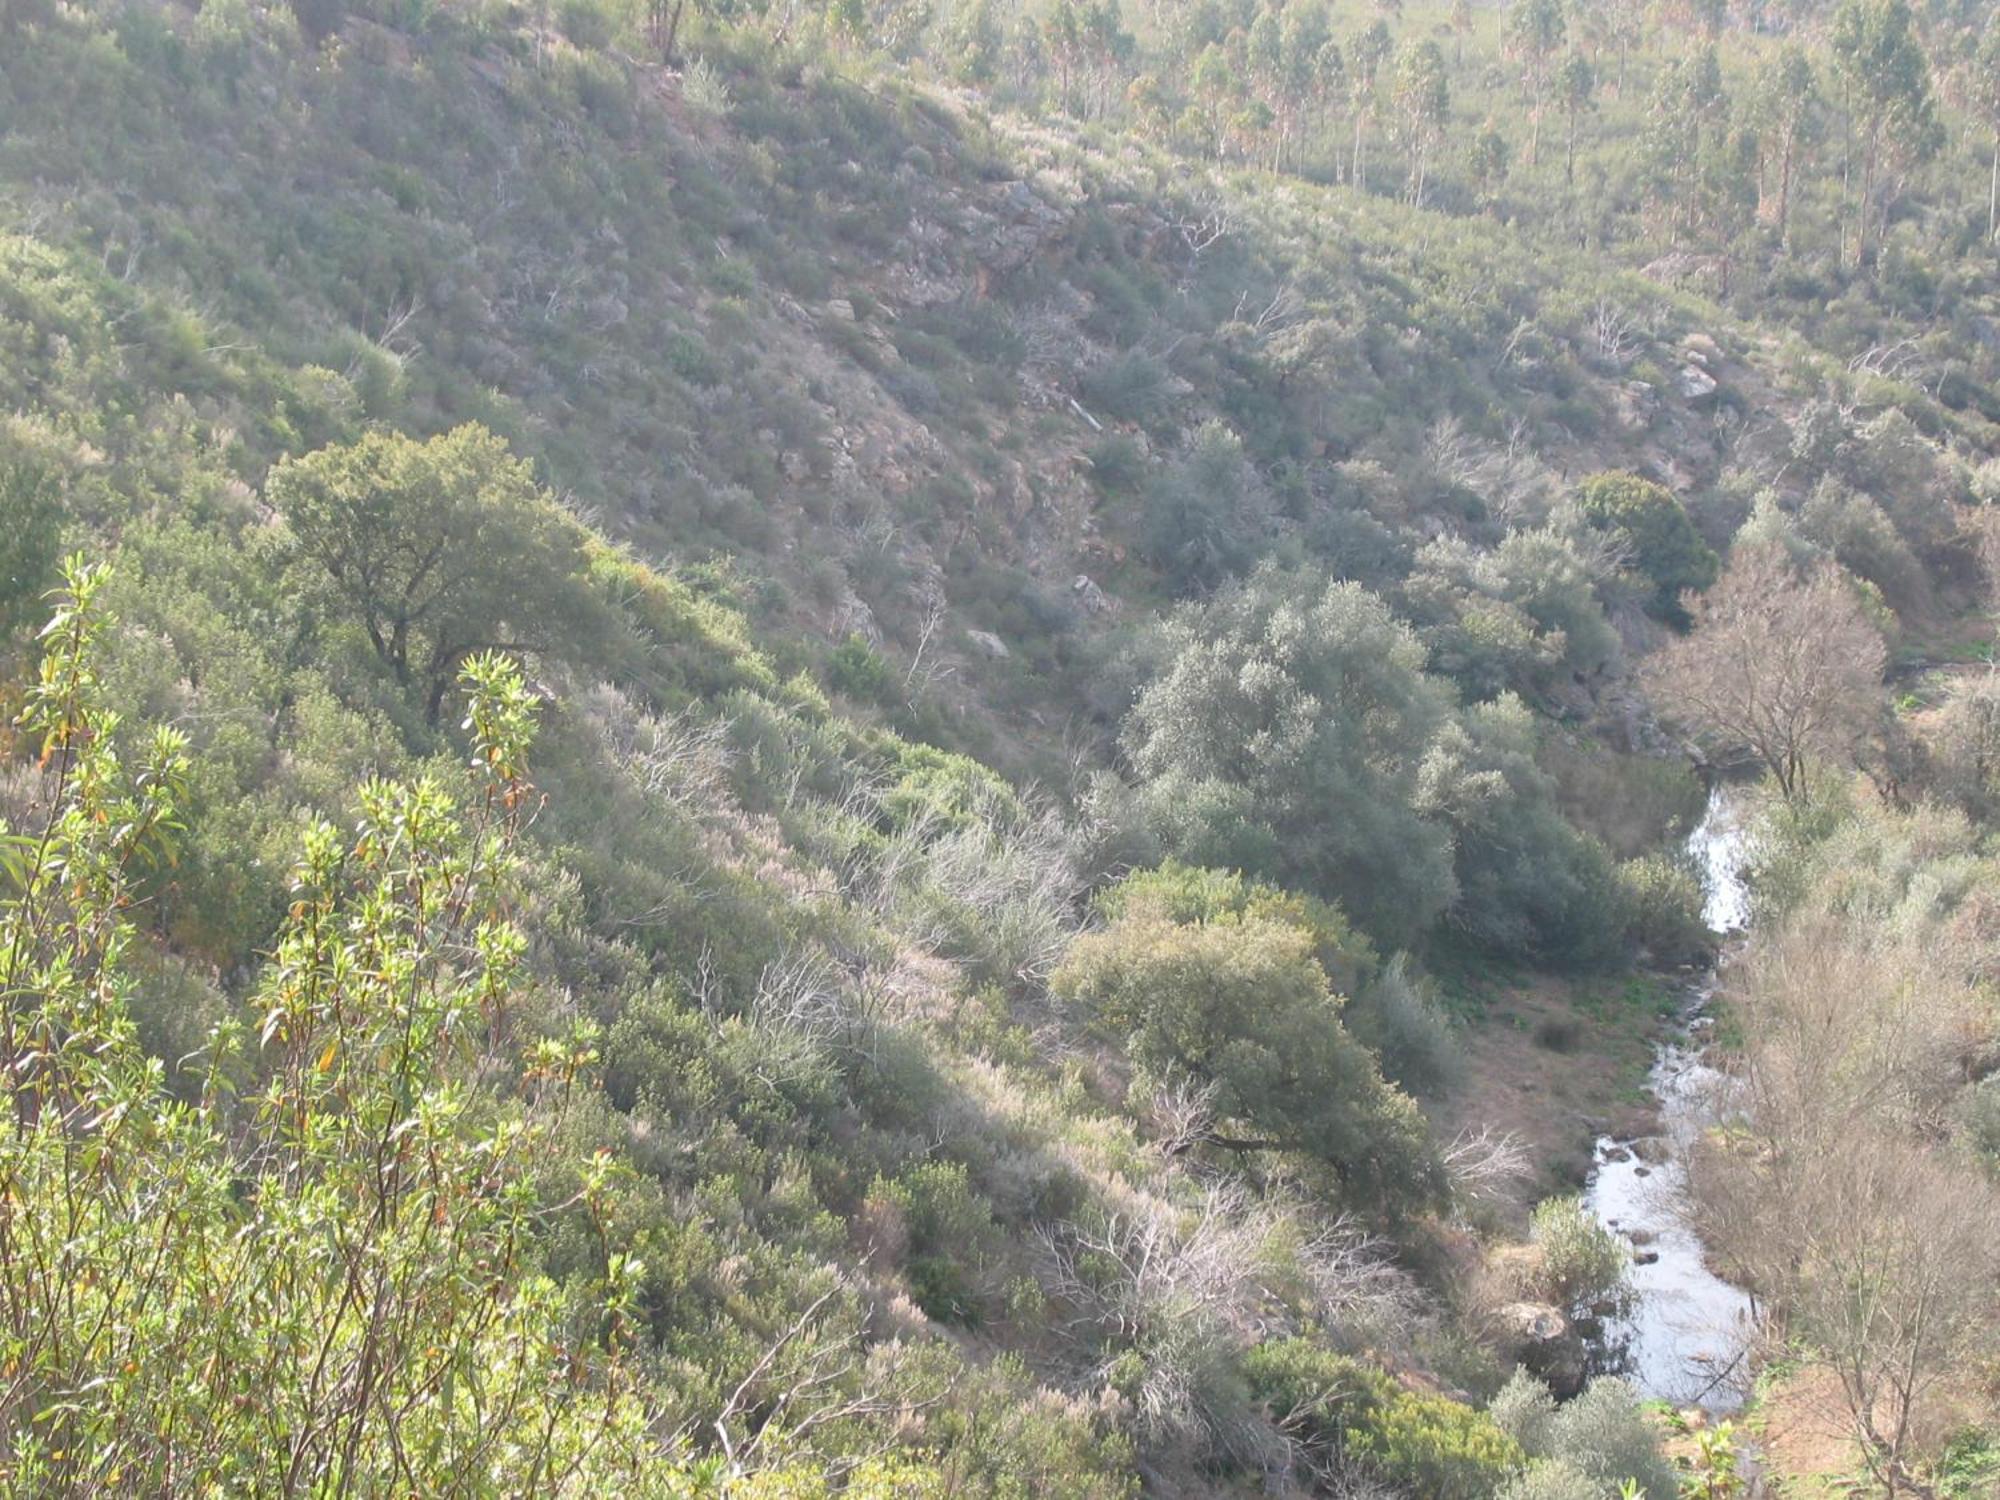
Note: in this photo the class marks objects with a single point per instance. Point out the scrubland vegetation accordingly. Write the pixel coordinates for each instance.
(776, 751)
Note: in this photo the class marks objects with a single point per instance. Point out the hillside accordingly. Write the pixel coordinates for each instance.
(898, 754)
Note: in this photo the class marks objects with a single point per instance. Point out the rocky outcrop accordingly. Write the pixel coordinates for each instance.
(1542, 1340)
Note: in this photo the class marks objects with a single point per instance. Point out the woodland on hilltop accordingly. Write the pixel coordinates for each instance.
(942, 747)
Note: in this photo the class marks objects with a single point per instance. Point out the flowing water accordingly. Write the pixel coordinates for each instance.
(1684, 1339)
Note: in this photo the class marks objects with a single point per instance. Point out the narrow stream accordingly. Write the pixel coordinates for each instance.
(1684, 1339)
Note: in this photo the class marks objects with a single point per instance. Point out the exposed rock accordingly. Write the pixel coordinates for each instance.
(1651, 1148)
(1093, 599)
(1633, 404)
(852, 616)
(1537, 1322)
(989, 644)
(1541, 1339)
(1695, 384)
(1644, 1257)
(839, 308)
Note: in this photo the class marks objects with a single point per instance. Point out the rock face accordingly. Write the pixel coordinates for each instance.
(1542, 1340)
(988, 644)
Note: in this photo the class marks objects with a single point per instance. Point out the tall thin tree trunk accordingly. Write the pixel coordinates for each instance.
(1785, 192)
(1993, 192)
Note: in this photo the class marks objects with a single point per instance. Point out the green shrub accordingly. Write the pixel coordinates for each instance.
(1242, 1006)
(1661, 898)
(857, 669)
(1582, 1262)
(1427, 1445)
(946, 1230)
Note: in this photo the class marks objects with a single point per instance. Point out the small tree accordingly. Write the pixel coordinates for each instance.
(439, 550)
(1576, 91)
(1240, 1009)
(1789, 666)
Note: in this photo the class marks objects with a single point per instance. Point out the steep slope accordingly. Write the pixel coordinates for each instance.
(884, 450)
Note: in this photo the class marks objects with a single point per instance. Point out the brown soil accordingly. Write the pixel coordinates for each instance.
(1560, 1062)
(1804, 1450)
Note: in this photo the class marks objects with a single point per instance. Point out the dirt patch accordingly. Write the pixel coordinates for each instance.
(1804, 1449)
(1560, 1062)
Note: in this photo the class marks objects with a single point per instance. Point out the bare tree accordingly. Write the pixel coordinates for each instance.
(1873, 1248)
(1787, 665)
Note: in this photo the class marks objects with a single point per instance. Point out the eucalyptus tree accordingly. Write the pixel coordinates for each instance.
(1983, 98)
(1534, 39)
(1423, 108)
(1576, 92)
(1786, 104)
(1887, 93)
(1366, 52)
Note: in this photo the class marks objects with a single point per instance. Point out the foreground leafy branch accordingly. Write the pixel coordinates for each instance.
(315, 1276)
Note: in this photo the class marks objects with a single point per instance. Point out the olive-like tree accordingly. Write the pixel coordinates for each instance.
(438, 549)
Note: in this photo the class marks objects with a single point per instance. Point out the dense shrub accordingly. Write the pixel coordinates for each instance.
(1428, 1445)
(1665, 547)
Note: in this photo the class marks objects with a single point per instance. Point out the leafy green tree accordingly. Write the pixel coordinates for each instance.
(1206, 513)
(1534, 36)
(1665, 547)
(1239, 1008)
(1423, 107)
(1886, 89)
(1786, 101)
(1525, 881)
(438, 550)
(1576, 92)
(1285, 737)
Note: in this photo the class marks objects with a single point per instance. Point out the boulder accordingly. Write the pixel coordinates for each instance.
(1695, 384)
(1093, 599)
(988, 644)
(1539, 1338)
